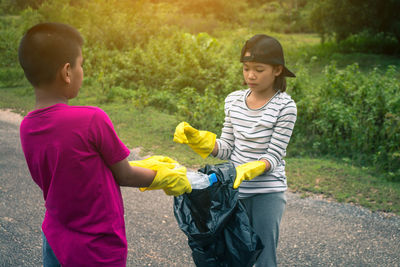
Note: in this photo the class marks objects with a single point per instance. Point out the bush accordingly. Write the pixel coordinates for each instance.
(278, 16)
(11, 73)
(343, 18)
(352, 115)
(12, 77)
(183, 70)
(367, 42)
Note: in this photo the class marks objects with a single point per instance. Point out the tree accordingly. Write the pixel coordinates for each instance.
(15, 6)
(343, 18)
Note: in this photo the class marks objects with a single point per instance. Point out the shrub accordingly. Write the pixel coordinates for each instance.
(10, 33)
(183, 69)
(342, 18)
(278, 16)
(352, 115)
(367, 42)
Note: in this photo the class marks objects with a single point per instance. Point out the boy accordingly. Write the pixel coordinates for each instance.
(77, 159)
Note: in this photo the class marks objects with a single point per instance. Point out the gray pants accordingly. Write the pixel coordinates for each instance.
(265, 213)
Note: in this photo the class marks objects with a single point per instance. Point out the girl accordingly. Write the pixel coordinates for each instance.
(258, 125)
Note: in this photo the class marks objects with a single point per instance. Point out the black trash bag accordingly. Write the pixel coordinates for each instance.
(216, 223)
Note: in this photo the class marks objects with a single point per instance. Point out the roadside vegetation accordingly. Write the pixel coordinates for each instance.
(151, 64)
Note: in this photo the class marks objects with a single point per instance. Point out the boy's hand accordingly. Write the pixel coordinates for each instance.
(155, 162)
(202, 142)
(172, 181)
(248, 171)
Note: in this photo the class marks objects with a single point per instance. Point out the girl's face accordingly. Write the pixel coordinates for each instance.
(259, 76)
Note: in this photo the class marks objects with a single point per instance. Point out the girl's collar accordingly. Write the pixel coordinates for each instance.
(248, 92)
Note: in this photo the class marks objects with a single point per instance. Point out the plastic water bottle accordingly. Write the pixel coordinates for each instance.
(200, 180)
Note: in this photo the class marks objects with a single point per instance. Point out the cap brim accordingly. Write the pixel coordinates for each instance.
(288, 73)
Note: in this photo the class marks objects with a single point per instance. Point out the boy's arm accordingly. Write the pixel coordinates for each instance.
(132, 176)
(163, 176)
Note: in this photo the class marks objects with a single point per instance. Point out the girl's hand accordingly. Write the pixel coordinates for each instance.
(202, 142)
(248, 171)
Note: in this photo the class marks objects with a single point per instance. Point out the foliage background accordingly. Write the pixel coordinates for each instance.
(181, 57)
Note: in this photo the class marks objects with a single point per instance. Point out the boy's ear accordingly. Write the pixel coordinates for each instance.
(65, 73)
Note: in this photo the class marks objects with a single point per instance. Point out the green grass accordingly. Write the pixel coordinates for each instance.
(343, 183)
(152, 131)
(19, 99)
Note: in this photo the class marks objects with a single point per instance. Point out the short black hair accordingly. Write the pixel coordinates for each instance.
(45, 48)
(280, 83)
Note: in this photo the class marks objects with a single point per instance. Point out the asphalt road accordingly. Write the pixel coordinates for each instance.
(313, 232)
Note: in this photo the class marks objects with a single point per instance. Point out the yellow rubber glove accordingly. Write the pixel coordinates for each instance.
(155, 162)
(173, 181)
(202, 142)
(248, 171)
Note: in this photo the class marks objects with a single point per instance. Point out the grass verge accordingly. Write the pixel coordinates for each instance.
(153, 130)
(343, 183)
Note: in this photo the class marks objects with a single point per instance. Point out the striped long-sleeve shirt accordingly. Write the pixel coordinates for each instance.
(254, 134)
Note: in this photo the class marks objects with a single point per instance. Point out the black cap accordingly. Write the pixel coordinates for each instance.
(265, 49)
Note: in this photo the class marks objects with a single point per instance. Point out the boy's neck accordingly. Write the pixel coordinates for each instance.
(46, 98)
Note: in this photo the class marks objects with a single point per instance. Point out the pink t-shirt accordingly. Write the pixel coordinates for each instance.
(69, 150)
